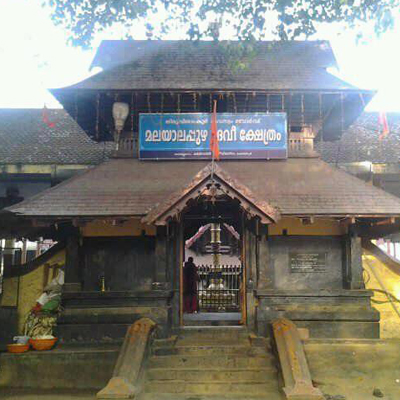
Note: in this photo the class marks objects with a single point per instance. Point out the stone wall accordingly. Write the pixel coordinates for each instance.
(8, 325)
(315, 297)
(127, 264)
(129, 267)
(283, 247)
(9, 297)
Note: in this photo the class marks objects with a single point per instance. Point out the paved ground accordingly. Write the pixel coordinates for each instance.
(378, 276)
(351, 370)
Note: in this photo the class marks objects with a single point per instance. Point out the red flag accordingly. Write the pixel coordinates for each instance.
(214, 145)
(45, 117)
(383, 125)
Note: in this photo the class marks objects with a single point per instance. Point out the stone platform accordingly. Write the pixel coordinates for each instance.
(53, 394)
(63, 368)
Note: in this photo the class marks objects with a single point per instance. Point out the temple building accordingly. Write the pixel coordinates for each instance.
(33, 157)
(363, 151)
(291, 225)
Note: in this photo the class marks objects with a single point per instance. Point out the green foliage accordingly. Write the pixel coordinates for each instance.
(247, 19)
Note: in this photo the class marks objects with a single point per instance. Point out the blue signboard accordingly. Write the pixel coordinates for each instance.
(187, 136)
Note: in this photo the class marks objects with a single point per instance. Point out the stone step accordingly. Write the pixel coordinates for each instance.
(211, 350)
(215, 388)
(218, 332)
(189, 396)
(203, 323)
(188, 342)
(230, 375)
(209, 336)
(259, 341)
(212, 323)
(206, 362)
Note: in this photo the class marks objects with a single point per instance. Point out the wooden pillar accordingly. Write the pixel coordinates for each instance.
(72, 271)
(353, 273)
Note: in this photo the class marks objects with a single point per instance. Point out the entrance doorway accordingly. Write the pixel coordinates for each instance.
(213, 291)
(220, 290)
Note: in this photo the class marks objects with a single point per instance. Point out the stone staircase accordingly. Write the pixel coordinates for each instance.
(212, 363)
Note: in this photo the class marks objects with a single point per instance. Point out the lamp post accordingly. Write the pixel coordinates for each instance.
(120, 113)
(216, 243)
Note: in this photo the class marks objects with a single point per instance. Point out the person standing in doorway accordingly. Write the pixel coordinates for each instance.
(190, 279)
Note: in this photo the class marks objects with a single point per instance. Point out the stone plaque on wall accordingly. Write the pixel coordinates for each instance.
(307, 262)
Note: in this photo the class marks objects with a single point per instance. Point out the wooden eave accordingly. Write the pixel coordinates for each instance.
(178, 201)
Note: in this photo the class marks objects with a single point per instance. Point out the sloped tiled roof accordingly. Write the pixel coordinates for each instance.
(111, 53)
(361, 142)
(163, 65)
(128, 187)
(26, 139)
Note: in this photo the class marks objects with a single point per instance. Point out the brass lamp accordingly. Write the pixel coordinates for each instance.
(120, 113)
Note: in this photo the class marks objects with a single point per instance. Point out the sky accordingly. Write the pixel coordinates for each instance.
(34, 56)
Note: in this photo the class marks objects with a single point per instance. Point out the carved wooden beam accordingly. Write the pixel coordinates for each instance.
(203, 183)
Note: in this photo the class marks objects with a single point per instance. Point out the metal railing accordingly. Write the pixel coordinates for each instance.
(219, 287)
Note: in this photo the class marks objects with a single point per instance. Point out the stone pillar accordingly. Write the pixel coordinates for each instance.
(24, 250)
(251, 274)
(9, 253)
(161, 268)
(265, 275)
(251, 257)
(73, 281)
(353, 273)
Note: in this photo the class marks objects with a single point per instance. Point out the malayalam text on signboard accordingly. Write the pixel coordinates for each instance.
(187, 136)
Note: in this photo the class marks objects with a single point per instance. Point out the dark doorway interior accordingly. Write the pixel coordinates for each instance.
(213, 240)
